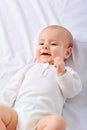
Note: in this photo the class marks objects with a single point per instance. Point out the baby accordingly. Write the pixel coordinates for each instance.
(38, 92)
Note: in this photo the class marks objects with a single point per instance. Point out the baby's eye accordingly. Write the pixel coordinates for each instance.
(41, 43)
(54, 44)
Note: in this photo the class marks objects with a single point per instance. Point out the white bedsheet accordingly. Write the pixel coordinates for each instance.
(20, 22)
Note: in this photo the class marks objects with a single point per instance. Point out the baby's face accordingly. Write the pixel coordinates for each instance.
(52, 43)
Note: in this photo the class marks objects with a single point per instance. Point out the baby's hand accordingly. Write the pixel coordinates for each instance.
(60, 65)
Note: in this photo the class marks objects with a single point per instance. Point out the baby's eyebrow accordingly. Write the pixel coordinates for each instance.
(41, 39)
(53, 41)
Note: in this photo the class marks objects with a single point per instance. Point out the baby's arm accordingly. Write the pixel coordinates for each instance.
(68, 80)
(9, 94)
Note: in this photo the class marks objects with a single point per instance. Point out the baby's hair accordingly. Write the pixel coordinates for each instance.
(64, 29)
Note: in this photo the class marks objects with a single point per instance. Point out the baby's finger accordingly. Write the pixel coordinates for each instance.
(58, 62)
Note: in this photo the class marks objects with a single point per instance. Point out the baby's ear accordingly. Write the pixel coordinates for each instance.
(68, 52)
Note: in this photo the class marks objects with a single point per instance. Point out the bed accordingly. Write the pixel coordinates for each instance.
(20, 23)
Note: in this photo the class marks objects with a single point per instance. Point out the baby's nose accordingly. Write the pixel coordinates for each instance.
(45, 46)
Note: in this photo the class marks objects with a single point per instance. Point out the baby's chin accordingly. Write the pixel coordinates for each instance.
(46, 61)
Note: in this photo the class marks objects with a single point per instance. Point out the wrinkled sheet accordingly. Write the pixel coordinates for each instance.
(20, 23)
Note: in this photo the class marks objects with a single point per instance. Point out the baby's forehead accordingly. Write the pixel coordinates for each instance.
(57, 32)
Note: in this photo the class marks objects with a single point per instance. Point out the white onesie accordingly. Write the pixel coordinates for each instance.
(37, 91)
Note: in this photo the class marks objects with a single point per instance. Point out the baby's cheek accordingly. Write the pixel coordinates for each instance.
(56, 53)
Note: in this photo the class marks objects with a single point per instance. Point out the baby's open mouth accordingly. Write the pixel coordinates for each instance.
(46, 54)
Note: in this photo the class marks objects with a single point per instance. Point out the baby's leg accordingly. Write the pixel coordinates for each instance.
(8, 118)
(53, 122)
